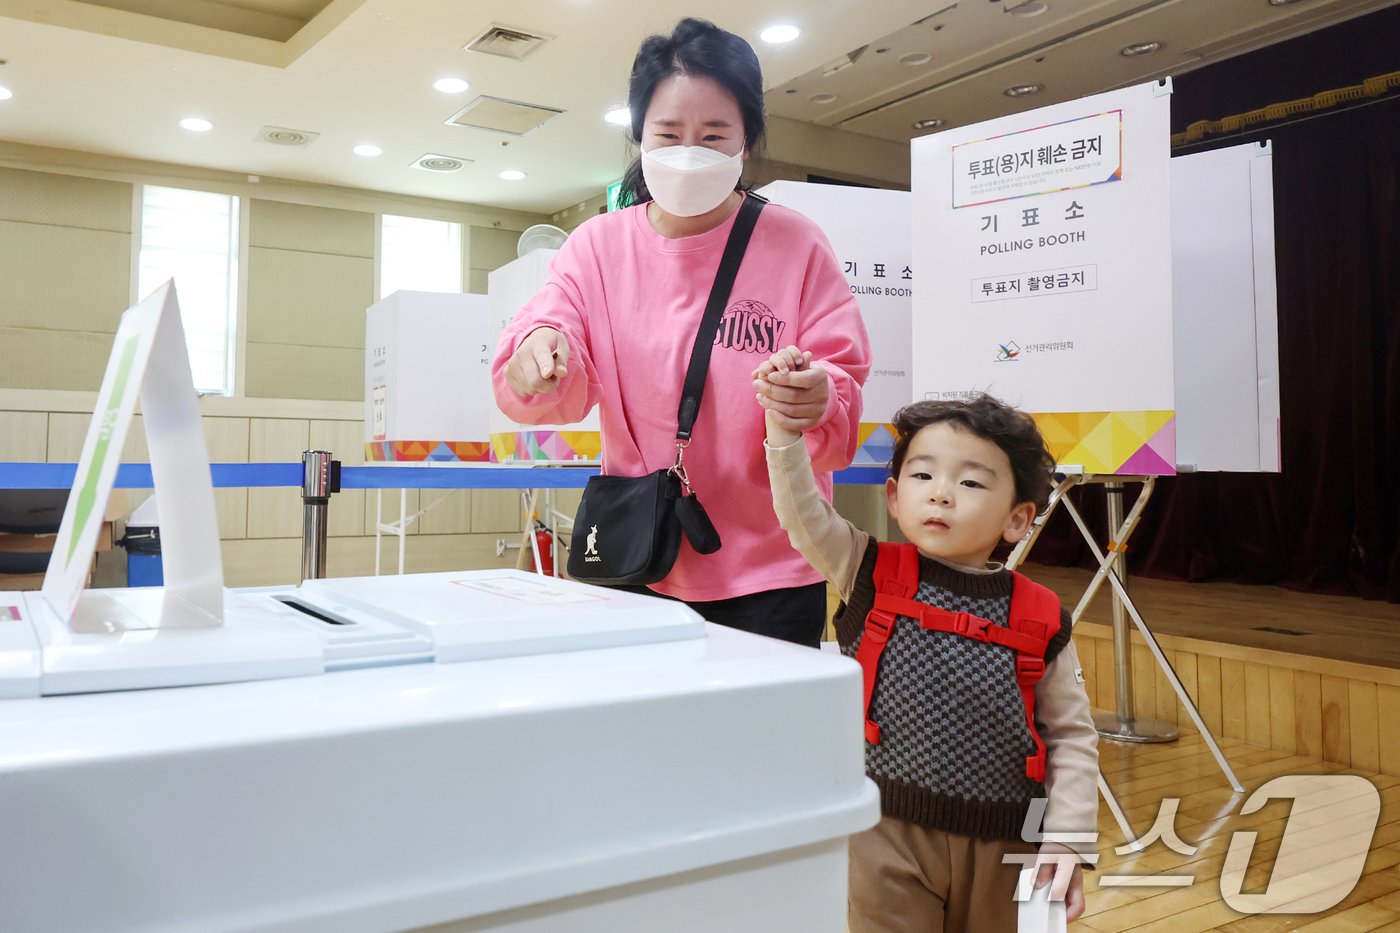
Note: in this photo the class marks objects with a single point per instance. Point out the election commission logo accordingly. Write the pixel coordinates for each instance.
(1008, 352)
(750, 327)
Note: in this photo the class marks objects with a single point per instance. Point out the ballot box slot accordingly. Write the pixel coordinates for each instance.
(293, 603)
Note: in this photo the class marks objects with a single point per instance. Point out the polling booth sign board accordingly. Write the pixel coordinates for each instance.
(1042, 242)
(869, 231)
(149, 363)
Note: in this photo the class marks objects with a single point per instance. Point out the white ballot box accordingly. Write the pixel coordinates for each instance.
(592, 761)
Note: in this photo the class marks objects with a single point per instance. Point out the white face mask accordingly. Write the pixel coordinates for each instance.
(690, 180)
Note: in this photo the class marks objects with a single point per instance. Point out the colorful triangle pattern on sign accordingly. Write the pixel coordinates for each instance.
(421, 451)
(1150, 459)
(874, 444)
(502, 447)
(586, 445)
(546, 445)
(1127, 442)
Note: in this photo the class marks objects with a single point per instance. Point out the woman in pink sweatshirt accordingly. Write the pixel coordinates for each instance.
(615, 324)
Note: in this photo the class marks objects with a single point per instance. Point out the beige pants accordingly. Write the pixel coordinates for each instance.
(907, 878)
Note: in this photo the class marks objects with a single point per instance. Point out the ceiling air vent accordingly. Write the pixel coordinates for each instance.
(502, 116)
(431, 162)
(506, 42)
(282, 136)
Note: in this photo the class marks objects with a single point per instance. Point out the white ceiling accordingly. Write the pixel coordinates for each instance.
(116, 76)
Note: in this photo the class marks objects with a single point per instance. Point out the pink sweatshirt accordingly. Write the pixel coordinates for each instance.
(629, 301)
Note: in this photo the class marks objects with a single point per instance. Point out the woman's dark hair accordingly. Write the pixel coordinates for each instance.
(700, 48)
(1014, 431)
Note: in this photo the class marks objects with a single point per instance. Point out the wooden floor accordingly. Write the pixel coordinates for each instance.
(1326, 628)
(1209, 814)
(1314, 676)
(1338, 628)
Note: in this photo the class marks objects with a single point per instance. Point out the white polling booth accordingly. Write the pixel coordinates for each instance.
(1045, 239)
(508, 288)
(869, 231)
(426, 365)
(1225, 311)
(428, 377)
(1123, 298)
(484, 750)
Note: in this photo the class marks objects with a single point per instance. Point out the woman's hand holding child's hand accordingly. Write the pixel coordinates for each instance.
(793, 393)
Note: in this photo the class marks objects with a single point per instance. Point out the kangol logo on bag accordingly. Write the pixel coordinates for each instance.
(590, 553)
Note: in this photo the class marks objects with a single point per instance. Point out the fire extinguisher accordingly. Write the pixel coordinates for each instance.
(544, 540)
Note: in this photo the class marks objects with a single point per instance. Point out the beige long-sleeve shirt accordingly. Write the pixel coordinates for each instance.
(836, 548)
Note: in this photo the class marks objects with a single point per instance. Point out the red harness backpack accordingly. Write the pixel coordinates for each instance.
(1034, 621)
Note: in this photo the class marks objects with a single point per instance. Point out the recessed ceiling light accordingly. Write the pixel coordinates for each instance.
(823, 98)
(933, 124)
(619, 116)
(915, 58)
(196, 124)
(511, 174)
(368, 150)
(450, 85)
(1139, 48)
(1021, 90)
(777, 35)
(6, 93)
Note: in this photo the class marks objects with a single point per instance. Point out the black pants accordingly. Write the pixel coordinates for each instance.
(796, 613)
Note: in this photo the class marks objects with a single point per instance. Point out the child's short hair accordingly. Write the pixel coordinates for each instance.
(1014, 431)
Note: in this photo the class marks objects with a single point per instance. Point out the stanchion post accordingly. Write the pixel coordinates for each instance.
(320, 480)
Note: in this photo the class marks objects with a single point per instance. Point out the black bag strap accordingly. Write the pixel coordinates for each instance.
(714, 309)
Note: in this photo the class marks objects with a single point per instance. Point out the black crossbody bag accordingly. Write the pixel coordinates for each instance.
(628, 528)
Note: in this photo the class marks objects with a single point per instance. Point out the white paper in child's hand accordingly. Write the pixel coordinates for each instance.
(1036, 913)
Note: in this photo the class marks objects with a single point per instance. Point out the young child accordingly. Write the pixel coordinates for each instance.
(948, 738)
